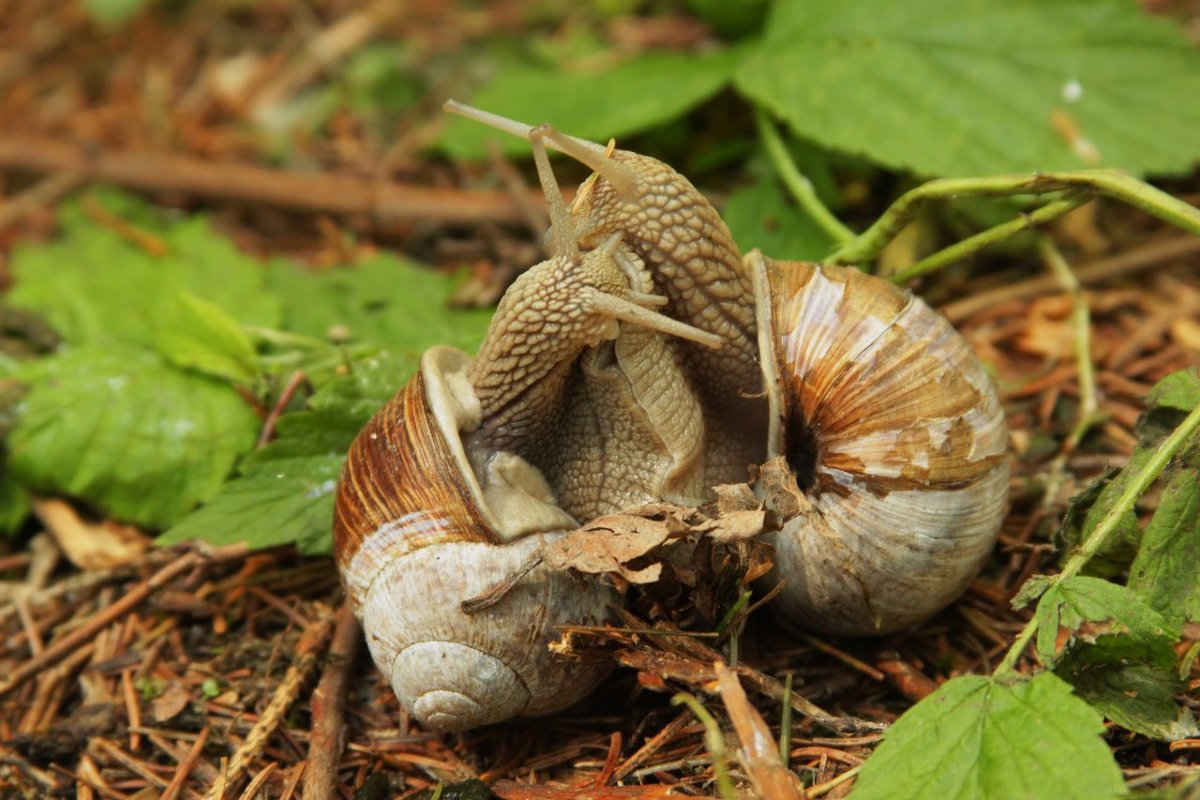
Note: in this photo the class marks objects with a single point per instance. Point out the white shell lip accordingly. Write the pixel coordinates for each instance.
(486, 690)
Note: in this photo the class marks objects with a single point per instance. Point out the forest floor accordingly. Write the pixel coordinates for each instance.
(190, 671)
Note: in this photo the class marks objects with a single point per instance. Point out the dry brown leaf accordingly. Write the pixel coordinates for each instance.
(610, 543)
(173, 700)
(735, 526)
(758, 751)
(90, 545)
(733, 497)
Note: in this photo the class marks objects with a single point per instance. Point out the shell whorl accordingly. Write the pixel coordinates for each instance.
(897, 440)
(413, 539)
(396, 477)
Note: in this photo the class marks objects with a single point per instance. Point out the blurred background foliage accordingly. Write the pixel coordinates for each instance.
(873, 94)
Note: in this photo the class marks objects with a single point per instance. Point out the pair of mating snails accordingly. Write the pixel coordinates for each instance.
(647, 360)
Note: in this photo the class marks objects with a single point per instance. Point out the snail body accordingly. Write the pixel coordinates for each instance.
(892, 430)
(445, 491)
(647, 360)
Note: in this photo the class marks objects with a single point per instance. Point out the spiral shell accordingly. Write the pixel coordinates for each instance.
(413, 539)
(896, 439)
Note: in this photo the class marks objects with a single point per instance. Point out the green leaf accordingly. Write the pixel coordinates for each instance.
(138, 438)
(979, 738)
(1089, 507)
(1179, 391)
(94, 286)
(975, 88)
(14, 503)
(1090, 607)
(731, 17)
(112, 12)
(1132, 686)
(641, 93)
(1164, 572)
(759, 215)
(195, 334)
(284, 492)
(369, 384)
(384, 301)
(1031, 590)
(274, 501)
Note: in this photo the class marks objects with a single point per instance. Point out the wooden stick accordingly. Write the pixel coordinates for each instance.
(1134, 260)
(766, 770)
(327, 708)
(387, 205)
(185, 767)
(43, 193)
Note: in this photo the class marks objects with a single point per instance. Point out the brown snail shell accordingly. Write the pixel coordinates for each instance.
(413, 539)
(897, 442)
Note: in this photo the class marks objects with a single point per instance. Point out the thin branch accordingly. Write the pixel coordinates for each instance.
(1111, 523)
(328, 709)
(308, 651)
(99, 621)
(387, 205)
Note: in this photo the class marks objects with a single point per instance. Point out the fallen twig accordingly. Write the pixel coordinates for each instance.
(1126, 263)
(185, 767)
(766, 770)
(387, 205)
(41, 194)
(327, 708)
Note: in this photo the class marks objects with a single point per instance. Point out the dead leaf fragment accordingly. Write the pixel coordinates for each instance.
(173, 700)
(758, 751)
(90, 545)
(610, 543)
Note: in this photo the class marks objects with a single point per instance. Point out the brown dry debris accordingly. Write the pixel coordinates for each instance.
(192, 672)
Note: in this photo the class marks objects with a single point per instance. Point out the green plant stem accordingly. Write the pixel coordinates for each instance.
(1081, 327)
(1110, 183)
(800, 186)
(785, 723)
(713, 741)
(1088, 403)
(1110, 524)
(973, 244)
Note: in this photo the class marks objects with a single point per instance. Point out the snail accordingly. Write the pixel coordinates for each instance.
(891, 427)
(647, 360)
(443, 493)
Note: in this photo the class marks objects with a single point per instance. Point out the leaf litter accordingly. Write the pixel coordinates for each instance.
(191, 669)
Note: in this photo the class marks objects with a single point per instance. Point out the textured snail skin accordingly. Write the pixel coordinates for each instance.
(694, 262)
(900, 441)
(412, 541)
